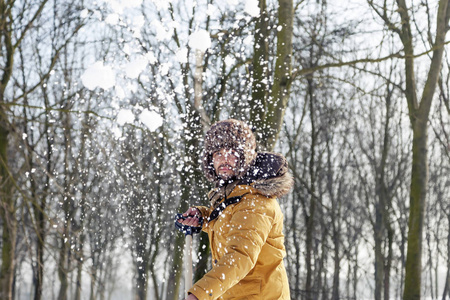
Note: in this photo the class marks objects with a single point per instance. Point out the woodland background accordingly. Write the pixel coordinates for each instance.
(354, 93)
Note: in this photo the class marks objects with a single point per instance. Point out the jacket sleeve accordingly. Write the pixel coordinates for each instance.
(205, 211)
(250, 225)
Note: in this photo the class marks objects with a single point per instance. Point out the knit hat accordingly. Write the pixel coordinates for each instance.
(229, 134)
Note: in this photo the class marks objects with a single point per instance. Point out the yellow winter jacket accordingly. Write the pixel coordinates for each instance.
(247, 246)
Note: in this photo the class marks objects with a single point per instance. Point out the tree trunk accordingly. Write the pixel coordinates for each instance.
(65, 239)
(155, 283)
(419, 114)
(296, 241)
(260, 72)
(7, 213)
(190, 184)
(40, 243)
(79, 278)
(7, 207)
(379, 256)
(174, 280)
(446, 291)
(388, 263)
(39, 209)
(337, 266)
(381, 210)
(141, 290)
(279, 95)
(63, 265)
(419, 179)
(310, 219)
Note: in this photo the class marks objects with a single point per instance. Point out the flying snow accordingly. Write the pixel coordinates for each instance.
(200, 40)
(84, 13)
(112, 19)
(138, 22)
(211, 10)
(164, 69)
(120, 93)
(252, 8)
(98, 75)
(232, 2)
(162, 34)
(161, 4)
(182, 55)
(248, 40)
(119, 6)
(151, 58)
(229, 61)
(151, 119)
(134, 68)
(125, 116)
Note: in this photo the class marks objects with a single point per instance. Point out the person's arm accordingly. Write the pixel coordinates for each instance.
(250, 226)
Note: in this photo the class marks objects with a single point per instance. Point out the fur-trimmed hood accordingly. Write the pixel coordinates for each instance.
(269, 174)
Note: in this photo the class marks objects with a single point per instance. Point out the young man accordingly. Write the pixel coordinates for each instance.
(244, 222)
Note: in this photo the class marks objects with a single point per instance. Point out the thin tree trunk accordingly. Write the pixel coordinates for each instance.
(7, 209)
(446, 291)
(188, 182)
(322, 283)
(174, 280)
(7, 213)
(355, 273)
(297, 250)
(39, 210)
(381, 207)
(388, 263)
(337, 266)
(312, 205)
(155, 284)
(82, 239)
(93, 282)
(141, 293)
(64, 259)
(379, 256)
(336, 224)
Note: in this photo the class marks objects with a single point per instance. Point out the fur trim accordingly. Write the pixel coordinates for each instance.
(229, 134)
(275, 187)
(270, 175)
